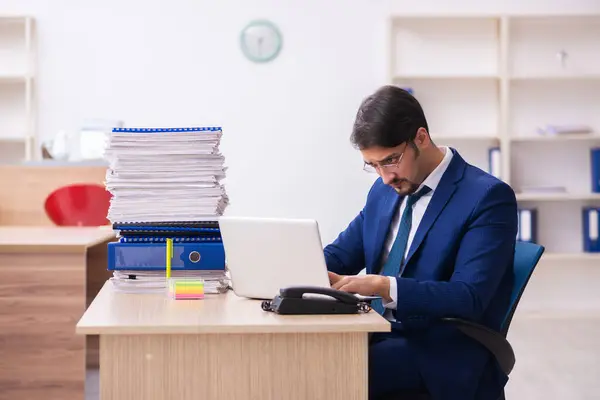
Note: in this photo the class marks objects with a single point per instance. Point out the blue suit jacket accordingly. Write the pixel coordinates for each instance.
(460, 264)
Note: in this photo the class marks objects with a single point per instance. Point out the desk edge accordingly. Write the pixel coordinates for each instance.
(240, 329)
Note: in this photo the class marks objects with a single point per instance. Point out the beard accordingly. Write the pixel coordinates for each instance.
(404, 187)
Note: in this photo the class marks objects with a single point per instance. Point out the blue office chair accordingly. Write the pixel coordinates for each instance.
(526, 258)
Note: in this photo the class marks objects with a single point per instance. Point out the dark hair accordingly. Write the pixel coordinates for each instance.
(387, 118)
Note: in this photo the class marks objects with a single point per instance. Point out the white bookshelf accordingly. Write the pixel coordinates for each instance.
(17, 74)
(492, 81)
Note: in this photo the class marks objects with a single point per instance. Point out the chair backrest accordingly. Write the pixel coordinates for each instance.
(526, 258)
(78, 205)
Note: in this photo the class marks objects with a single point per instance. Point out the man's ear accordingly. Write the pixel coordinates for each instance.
(422, 139)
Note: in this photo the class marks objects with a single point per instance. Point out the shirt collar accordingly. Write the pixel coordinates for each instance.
(434, 178)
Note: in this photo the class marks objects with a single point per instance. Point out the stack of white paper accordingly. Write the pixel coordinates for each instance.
(156, 282)
(158, 175)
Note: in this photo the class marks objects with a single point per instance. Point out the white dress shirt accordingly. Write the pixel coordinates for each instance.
(432, 181)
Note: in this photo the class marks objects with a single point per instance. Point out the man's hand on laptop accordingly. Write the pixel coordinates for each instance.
(366, 285)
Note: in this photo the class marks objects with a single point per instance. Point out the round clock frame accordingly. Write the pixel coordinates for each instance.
(272, 30)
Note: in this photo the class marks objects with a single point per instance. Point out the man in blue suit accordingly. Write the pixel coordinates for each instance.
(437, 238)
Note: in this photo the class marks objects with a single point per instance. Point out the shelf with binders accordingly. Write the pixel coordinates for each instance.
(558, 191)
(555, 172)
(566, 229)
(518, 96)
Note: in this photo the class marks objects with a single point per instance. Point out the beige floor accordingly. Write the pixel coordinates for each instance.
(555, 334)
(556, 359)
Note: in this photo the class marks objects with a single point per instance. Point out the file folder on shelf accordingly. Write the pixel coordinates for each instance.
(527, 231)
(591, 221)
(495, 164)
(595, 164)
(152, 256)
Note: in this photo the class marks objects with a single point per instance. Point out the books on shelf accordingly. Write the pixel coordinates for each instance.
(166, 191)
(591, 222)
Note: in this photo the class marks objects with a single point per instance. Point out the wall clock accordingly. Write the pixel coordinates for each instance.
(261, 41)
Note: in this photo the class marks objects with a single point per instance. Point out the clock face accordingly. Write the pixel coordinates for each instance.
(261, 41)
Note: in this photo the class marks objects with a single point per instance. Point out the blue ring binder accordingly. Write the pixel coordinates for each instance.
(151, 256)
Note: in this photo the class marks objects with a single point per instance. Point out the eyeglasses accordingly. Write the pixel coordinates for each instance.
(391, 162)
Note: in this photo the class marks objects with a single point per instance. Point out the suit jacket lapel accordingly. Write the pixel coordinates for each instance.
(392, 201)
(441, 196)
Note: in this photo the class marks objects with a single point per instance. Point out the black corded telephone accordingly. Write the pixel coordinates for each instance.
(292, 300)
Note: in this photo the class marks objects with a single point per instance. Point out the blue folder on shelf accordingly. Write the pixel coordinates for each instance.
(595, 164)
(152, 256)
(527, 231)
(591, 221)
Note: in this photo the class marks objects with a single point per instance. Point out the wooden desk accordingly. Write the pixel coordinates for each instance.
(48, 275)
(225, 347)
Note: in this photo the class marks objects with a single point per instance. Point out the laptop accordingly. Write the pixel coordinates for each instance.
(264, 255)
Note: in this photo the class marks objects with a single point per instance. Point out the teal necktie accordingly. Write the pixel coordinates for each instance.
(395, 259)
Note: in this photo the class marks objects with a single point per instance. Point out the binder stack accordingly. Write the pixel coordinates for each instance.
(166, 184)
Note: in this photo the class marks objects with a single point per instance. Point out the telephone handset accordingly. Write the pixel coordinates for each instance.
(302, 300)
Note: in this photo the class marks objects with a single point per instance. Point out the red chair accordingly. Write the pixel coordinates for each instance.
(78, 205)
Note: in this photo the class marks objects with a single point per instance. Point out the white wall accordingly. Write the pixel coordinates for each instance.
(178, 63)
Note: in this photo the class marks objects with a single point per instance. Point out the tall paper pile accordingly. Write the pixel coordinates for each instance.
(159, 175)
(166, 183)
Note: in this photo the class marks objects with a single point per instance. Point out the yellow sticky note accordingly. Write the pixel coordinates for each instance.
(169, 256)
